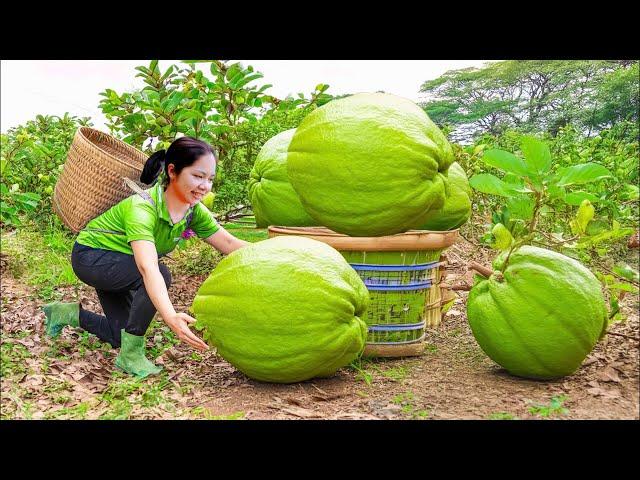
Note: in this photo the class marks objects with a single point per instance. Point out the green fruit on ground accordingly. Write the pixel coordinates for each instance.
(457, 204)
(284, 310)
(542, 318)
(272, 197)
(369, 164)
(208, 200)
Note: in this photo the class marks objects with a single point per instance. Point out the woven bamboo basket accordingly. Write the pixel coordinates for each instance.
(93, 177)
(402, 273)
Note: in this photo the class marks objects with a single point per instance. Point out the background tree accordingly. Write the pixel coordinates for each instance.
(534, 96)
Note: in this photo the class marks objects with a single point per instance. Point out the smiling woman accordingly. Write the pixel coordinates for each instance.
(117, 253)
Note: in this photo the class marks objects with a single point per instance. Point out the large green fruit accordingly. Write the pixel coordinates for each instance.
(457, 205)
(208, 200)
(543, 318)
(284, 310)
(369, 164)
(273, 199)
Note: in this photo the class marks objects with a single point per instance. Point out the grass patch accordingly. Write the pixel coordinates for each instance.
(77, 412)
(201, 412)
(12, 359)
(431, 348)
(359, 365)
(407, 401)
(160, 338)
(553, 409)
(41, 259)
(125, 392)
(397, 374)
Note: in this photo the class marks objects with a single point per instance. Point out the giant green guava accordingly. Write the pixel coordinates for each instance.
(284, 310)
(369, 165)
(273, 199)
(457, 204)
(541, 317)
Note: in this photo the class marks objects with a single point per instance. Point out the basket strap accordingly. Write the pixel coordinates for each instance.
(133, 186)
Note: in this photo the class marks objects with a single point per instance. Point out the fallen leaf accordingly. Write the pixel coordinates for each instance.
(88, 378)
(355, 416)
(301, 412)
(609, 375)
(325, 398)
(319, 389)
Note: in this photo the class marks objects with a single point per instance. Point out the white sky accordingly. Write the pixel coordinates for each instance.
(52, 87)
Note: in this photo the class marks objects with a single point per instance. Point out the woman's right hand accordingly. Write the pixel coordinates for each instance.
(179, 323)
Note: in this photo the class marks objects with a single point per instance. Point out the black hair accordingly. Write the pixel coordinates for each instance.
(183, 152)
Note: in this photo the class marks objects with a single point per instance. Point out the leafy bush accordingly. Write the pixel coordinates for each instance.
(32, 157)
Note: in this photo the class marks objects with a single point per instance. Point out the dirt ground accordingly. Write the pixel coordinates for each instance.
(452, 380)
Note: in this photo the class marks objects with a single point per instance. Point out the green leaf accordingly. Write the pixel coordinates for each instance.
(8, 209)
(505, 161)
(583, 217)
(247, 79)
(537, 155)
(582, 173)
(174, 99)
(478, 148)
(167, 73)
(630, 192)
(144, 70)
(29, 196)
(184, 115)
(576, 198)
(610, 235)
(558, 192)
(503, 237)
(487, 183)
(521, 207)
(625, 287)
(625, 271)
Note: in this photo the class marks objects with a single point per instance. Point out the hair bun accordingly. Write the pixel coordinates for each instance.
(152, 167)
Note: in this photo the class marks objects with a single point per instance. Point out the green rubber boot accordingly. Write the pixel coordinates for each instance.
(132, 358)
(60, 314)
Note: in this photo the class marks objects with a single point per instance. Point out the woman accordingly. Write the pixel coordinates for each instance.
(117, 253)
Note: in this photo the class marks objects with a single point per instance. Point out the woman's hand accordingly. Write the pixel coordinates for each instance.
(179, 323)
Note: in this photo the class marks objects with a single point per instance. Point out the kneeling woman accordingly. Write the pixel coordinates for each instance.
(117, 253)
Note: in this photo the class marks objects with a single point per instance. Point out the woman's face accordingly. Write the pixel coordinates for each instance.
(194, 181)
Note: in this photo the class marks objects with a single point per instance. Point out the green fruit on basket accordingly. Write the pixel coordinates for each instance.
(369, 165)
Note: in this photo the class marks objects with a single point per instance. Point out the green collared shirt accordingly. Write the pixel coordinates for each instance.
(135, 218)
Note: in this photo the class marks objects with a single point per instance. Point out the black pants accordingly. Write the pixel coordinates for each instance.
(120, 288)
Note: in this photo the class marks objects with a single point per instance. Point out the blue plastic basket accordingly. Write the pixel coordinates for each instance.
(398, 294)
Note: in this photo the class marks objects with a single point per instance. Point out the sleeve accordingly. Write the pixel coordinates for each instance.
(203, 222)
(140, 222)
